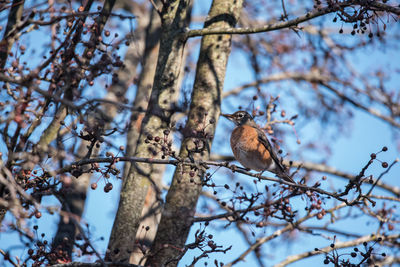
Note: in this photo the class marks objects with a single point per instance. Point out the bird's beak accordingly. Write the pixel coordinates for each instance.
(228, 116)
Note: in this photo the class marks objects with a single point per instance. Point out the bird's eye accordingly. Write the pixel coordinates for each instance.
(240, 115)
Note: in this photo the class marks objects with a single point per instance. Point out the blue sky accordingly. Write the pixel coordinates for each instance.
(363, 135)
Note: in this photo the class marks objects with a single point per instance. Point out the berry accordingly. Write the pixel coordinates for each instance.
(108, 187)
(38, 214)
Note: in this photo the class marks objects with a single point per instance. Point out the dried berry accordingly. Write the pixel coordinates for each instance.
(108, 187)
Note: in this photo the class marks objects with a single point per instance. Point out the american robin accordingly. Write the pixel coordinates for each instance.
(251, 147)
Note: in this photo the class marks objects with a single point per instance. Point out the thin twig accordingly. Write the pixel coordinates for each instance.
(156, 8)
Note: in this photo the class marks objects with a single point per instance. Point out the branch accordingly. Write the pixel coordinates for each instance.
(294, 22)
(371, 111)
(14, 17)
(331, 170)
(199, 164)
(338, 245)
(234, 214)
(6, 256)
(319, 167)
(277, 233)
(156, 7)
(85, 237)
(384, 7)
(95, 264)
(310, 229)
(315, 77)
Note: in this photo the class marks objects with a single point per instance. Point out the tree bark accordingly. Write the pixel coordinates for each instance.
(204, 111)
(14, 17)
(145, 83)
(158, 118)
(150, 216)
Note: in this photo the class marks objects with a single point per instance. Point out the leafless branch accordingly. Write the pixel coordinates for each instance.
(291, 23)
(338, 245)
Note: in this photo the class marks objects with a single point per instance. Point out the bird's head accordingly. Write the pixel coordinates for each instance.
(240, 118)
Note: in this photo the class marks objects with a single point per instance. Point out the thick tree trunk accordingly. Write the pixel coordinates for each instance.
(145, 84)
(150, 216)
(157, 119)
(204, 112)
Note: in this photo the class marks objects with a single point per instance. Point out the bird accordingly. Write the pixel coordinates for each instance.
(251, 147)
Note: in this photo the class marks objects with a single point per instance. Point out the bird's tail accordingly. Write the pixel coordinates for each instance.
(285, 176)
(279, 169)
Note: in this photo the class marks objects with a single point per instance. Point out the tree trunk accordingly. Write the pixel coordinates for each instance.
(204, 111)
(14, 17)
(157, 119)
(150, 216)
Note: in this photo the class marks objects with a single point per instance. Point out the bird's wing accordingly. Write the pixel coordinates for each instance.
(264, 140)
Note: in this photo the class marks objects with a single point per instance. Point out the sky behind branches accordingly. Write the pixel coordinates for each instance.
(362, 136)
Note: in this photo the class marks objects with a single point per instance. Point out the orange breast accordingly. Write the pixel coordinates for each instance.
(248, 150)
